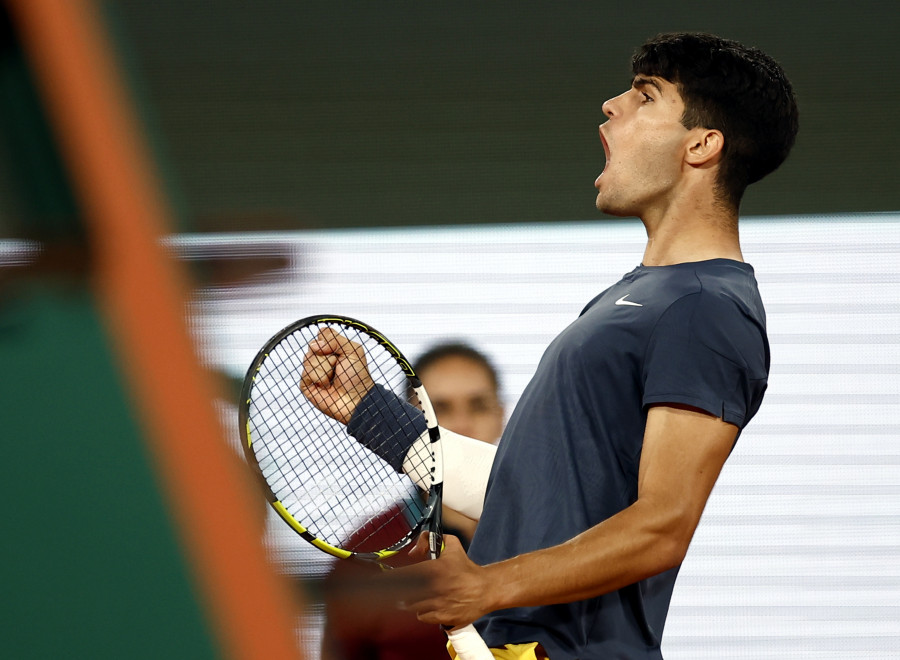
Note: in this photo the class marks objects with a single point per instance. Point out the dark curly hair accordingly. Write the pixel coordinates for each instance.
(736, 89)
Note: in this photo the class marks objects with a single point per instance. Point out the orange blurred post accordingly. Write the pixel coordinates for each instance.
(250, 607)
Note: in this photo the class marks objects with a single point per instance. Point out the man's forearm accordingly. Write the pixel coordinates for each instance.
(637, 543)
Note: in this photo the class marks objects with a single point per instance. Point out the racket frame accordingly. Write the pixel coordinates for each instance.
(430, 519)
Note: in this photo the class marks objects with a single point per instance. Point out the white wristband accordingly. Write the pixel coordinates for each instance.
(466, 467)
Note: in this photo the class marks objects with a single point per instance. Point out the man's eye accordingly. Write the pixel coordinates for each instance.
(647, 97)
(440, 408)
(481, 406)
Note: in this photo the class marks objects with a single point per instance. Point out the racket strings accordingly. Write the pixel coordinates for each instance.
(340, 492)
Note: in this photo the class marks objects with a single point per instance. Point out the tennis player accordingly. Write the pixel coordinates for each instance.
(589, 502)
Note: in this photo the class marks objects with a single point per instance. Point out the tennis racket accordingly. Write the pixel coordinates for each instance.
(344, 440)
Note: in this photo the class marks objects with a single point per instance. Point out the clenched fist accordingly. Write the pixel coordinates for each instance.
(335, 375)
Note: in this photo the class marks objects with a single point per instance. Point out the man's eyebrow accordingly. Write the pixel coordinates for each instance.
(640, 82)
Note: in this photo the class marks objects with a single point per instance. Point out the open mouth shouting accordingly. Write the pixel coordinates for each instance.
(606, 155)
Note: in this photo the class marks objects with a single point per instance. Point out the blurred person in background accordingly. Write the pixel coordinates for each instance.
(465, 392)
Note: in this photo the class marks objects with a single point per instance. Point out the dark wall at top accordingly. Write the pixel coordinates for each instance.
(283, 114)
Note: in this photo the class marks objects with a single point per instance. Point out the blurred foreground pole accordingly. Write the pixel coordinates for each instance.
(141, 292)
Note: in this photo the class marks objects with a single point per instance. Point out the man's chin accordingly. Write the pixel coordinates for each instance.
(605, 206)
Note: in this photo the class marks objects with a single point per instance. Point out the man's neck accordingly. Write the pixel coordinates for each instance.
(696, 236)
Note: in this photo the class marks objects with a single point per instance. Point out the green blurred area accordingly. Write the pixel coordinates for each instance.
(90, 564)
(280, 115)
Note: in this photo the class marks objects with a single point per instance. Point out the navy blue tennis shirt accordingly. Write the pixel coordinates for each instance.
(691, 333)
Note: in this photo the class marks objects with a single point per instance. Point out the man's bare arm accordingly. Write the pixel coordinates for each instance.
(684, 451)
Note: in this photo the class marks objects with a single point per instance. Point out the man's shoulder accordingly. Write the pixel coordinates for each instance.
(730, 286)
(718, 284)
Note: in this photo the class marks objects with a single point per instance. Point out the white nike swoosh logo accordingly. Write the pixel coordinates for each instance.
(622, 301)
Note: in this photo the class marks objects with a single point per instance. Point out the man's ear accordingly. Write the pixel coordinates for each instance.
(705, 147)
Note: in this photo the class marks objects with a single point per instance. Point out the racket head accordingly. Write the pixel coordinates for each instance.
(331, 490)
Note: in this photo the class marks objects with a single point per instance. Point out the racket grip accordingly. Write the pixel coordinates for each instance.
(468, 644)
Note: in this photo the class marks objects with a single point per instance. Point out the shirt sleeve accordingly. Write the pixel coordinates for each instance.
(707, 352)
